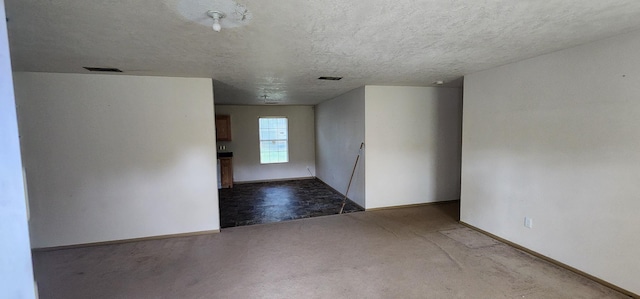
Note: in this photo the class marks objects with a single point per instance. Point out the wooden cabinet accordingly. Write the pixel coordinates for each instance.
(223, 127)
(226, 172)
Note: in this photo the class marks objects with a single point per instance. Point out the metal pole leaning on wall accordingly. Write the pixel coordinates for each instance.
(344, 201)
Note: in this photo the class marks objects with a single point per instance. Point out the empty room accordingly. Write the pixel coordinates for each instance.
(322, 149)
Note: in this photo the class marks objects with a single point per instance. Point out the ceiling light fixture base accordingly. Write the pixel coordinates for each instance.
(216, 16)
(226, 13)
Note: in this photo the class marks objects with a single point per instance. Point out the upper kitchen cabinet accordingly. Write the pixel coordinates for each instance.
(223, 127)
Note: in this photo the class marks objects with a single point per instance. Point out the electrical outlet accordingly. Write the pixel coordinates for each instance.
(528, 222)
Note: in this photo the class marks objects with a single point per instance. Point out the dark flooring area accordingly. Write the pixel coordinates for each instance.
(257, 203)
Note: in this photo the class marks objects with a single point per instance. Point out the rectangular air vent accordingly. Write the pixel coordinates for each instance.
(102, 69)
(330, 78)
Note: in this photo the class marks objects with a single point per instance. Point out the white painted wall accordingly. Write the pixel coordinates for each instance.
(557, 138)
(339, 132)
(245, 143)
(16, 274)
(413, 137)
(113, 157)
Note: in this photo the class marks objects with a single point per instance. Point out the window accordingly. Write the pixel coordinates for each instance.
(274, 140)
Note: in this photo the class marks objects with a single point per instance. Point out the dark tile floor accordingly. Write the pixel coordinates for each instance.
(256, 203)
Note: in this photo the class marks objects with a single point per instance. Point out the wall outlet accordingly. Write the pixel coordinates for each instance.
(528, 222)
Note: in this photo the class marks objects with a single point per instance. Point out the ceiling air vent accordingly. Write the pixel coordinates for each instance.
(102, 69)
(330, 78)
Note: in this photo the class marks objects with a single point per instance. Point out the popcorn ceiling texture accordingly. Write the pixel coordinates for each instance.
(288, 44)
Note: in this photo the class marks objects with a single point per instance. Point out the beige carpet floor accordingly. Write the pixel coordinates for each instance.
(418, 252)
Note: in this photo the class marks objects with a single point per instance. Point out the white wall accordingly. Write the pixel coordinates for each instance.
(339, 132)
(16, 275)
(557, 138)
(113, 157)
(413, 137)
(245, 143)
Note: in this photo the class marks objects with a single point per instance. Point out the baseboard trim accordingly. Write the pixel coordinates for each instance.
(160, 237)
(334, 189)
(275, 180)
(553, 261)
(414, 205)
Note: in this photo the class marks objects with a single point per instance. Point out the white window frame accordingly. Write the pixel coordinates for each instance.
(273, 140)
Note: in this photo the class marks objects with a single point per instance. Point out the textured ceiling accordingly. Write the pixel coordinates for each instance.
(288, 44)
